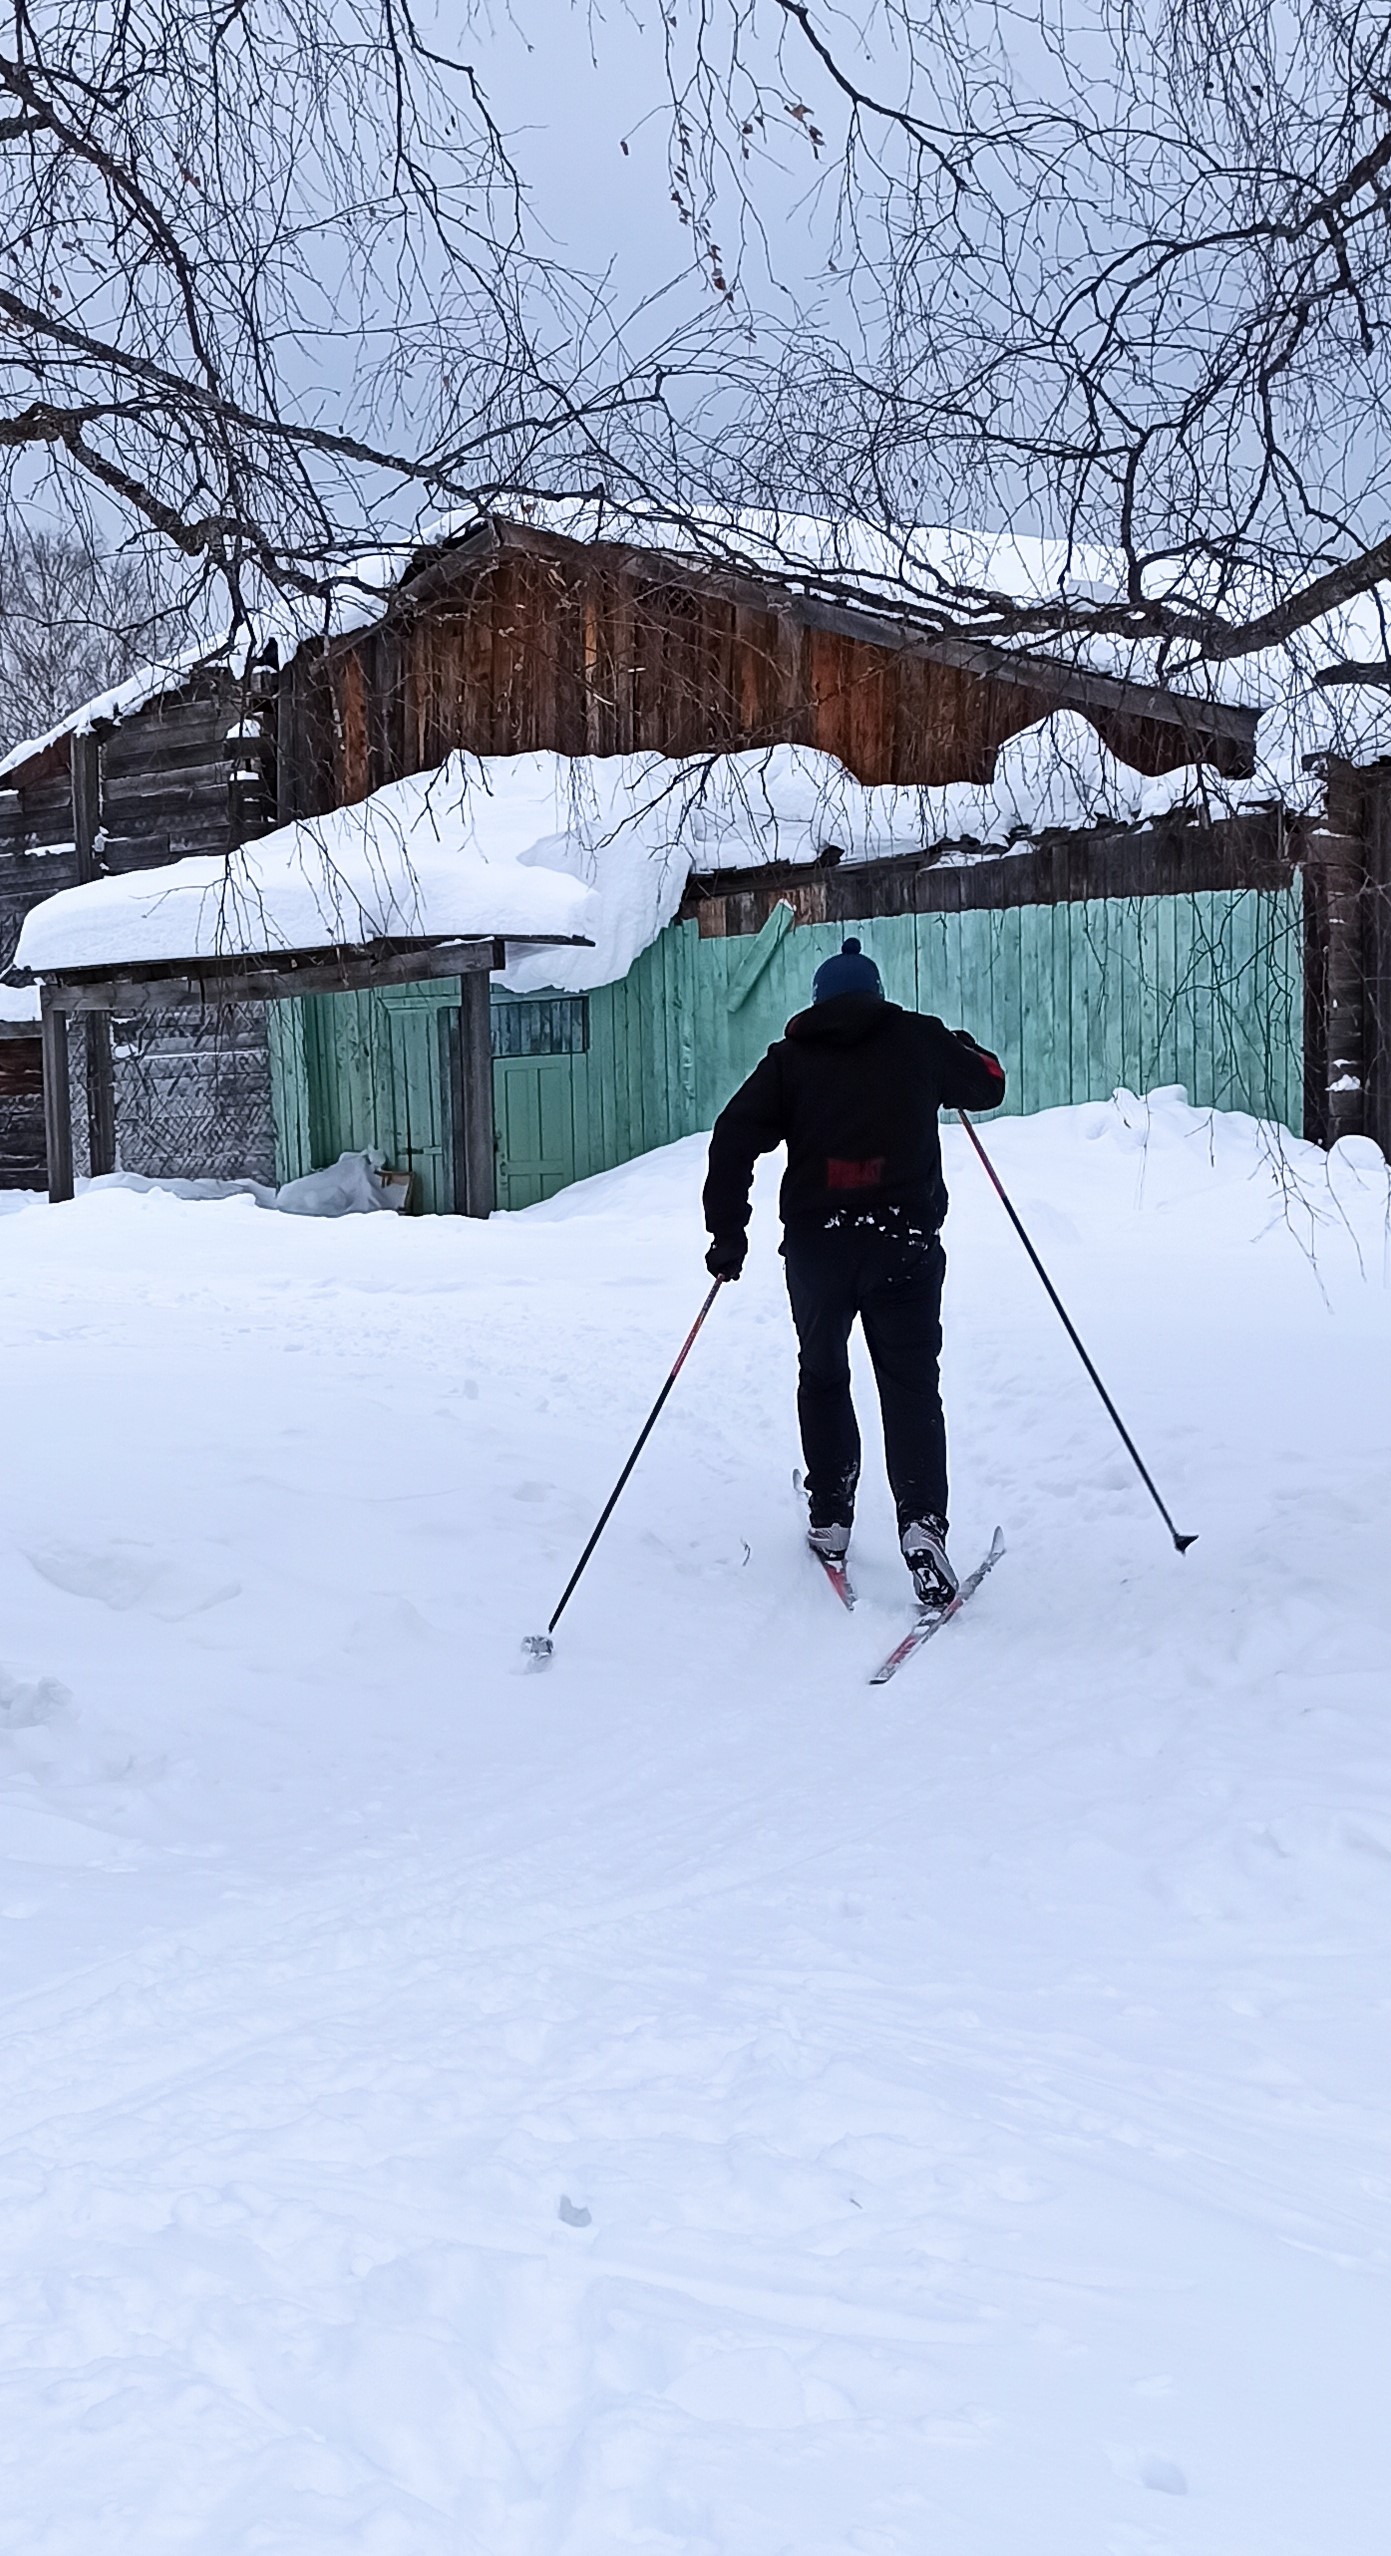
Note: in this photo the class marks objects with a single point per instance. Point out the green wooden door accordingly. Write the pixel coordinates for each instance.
(370, 1070)
(535, 1121)
(418, 1021)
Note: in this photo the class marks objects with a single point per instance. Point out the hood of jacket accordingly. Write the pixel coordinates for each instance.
(844, 1020)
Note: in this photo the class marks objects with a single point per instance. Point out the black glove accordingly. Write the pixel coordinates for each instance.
(726, 1259)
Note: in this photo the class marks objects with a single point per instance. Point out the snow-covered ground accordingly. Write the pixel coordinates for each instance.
(688, 2100)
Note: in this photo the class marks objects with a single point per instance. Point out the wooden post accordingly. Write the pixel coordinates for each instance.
(85, 767)
(57, 1100)
(474, 1145)
(1376, 935)
(84, 764)
(1342, 883)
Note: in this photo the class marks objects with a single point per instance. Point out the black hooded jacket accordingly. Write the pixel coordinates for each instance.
(852, 1090)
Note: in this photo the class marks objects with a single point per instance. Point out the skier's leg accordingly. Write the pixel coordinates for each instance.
(901, 1310)
(820, 1289)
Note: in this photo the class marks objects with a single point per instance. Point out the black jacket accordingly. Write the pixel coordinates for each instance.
(852, 1090)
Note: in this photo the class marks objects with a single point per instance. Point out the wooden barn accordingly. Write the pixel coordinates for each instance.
(1230, 957)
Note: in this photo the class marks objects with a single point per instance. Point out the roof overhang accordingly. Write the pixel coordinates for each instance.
(279, 975)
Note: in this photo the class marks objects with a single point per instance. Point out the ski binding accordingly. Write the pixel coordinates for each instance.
(930, 1619)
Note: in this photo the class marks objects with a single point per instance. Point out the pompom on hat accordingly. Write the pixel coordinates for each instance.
(850, 972)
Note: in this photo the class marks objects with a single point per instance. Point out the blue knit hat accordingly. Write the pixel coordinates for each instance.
(850, 973)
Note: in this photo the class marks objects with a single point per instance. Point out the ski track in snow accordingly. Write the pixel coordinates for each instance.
(688, 2100)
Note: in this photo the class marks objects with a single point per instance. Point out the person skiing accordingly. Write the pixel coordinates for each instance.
(853, 1089)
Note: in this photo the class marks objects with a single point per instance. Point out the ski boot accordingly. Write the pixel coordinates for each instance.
(830, 1543)
(923, 1544)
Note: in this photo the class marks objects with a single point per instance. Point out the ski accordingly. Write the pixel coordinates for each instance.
(838, 1576)
(931, 1619)
(836, 1572)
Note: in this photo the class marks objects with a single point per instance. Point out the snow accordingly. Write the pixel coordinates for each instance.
(601, 846)
(122, 700)
(19, 1003)
(407, 862)
(688, 2101)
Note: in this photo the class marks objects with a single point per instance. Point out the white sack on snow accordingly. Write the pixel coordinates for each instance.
(353, 1186)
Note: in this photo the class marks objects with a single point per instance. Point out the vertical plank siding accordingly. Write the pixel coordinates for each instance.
(1204, 991)
(534, 642)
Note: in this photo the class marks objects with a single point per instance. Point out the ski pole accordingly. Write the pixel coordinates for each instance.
(541, 1645)
(1181, 1542)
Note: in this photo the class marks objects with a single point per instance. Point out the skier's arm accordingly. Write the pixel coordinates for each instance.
(749, 1125)
(968, 1076)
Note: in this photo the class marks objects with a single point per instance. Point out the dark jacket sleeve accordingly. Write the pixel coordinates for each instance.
(968, 1076)
(749, 1125)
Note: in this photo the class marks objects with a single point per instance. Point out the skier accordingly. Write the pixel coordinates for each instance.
(853, 1090)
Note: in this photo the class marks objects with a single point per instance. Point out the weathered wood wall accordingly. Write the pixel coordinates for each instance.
(1203, 988)
(1348, 957)
(36, 857)
(191, 1091)
(1177, 858)
(595, 649)
(21, 1113)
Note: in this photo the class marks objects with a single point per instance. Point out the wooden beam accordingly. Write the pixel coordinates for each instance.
(1165, 858)
(474, 1142)
(57, 1103)
(84, 764)
(264, 979)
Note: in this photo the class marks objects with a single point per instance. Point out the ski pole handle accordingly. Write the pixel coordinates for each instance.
(1181, 1542)
(645, 1433)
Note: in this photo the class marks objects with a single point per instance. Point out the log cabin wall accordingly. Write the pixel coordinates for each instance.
(37, 856)
(21, 1112)
(1376, 955)
(188, 773)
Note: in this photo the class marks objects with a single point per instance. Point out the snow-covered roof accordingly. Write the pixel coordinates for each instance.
(106, 708)
(19, 1006)
(906, 569)
(355, 598)
(899, 569)
(412, 862)
(548, 844)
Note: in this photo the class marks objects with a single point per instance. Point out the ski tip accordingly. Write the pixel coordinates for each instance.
(538, 1648)
(997, 1544)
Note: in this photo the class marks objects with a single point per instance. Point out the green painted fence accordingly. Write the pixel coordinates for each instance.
(1203, 990)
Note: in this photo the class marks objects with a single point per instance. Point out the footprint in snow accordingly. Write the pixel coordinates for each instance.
(126, 1574)
(26, 1708)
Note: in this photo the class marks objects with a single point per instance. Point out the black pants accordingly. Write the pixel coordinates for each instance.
(893, 1281)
